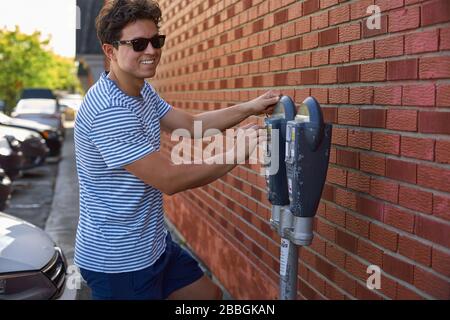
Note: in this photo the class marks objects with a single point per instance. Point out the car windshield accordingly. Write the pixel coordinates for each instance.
(36, 106)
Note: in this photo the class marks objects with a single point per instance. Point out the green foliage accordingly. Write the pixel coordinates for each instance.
(27, 62)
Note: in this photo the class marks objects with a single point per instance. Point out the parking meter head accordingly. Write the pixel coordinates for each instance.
(285, 108)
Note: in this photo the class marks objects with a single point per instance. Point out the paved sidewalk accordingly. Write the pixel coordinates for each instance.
(63, 219)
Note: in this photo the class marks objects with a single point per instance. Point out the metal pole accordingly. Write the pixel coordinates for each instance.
(288, 258)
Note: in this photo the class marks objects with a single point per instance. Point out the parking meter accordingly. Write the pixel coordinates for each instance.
(275, 165)
(308, 141)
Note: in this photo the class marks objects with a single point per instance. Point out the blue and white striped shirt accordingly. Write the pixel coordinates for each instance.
(121, 226)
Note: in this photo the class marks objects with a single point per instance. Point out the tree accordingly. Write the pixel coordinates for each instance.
(27, 62)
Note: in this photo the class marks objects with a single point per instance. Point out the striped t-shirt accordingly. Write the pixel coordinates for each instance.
(121, 226)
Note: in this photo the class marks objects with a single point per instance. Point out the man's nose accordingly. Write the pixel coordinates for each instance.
(150, 49)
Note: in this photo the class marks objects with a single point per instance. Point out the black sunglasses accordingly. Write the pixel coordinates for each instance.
(140, 44)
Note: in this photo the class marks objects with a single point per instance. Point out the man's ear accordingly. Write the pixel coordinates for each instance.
(109, 51)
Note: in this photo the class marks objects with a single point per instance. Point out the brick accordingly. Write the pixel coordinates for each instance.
(326, 230)
(373, 72)
(415, 250)
(433, 230)
(419, 95)
(321, 94)
(310, 41)
(319, 21)
(401, 170)
(443, 95)
(369, 252)
(361, 95)
(328, 75)
(421, 42)
(346, 199)
(434, 122)
(434, 67)
(433, 177)
(329, 114)
(362, 51)
(388, 95)
(339, 136)
(389, 47)
(431, 284)
(348, 116)
(303, 60)
(328, 37)
(404, 19)
(319, 58)
(338, 95)
(441, 262)
(348, 158)
(383, 237)
(335, 214)
(398, 268)
(418, 148)
(348, 74)
(356, 268)
(441, 207)
(435, 12)
(309, 77)
(359, 139)
(404, 120)
(384, 189)
(337, 176)
(357, 225)
(358, 181)
(399, 219)
(339, 54)
(444, 39)
(404, 293)
(359, 9)
(386, 5)
(329, 192)
(281, 17)
(374, 118)
(369, 208)
(350, 32)
(372, 164)
(310, 6)
(363, 293)
(346, 241)
(442, 151)
(386, 143)
(402, 69)
(340, 14)
(416, 199)
(303, 26)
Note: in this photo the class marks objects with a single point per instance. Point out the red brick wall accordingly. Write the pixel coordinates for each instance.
(387, 92)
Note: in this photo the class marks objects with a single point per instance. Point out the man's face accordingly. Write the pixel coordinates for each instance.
(138, 64)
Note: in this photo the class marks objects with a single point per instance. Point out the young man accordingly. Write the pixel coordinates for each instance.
(122, 247)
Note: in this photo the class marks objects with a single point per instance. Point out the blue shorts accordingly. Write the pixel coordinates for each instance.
(174, 270)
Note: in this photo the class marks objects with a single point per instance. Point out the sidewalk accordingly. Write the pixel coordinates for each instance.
(63, 219)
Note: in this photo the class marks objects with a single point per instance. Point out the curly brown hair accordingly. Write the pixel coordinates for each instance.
(116, 14)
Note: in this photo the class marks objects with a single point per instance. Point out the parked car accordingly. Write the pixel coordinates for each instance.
(31, 144)
(5, 189)
(73, 103)
(37, 93)
(44, 111)
(32, 267)
(53, 137)
(11, 160)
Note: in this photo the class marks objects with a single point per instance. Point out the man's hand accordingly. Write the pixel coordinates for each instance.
(263, 104)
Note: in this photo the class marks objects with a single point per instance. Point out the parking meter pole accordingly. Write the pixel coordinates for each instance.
(288, 270)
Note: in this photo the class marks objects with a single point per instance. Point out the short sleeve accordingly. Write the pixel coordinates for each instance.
(162, 106)
(119, 136)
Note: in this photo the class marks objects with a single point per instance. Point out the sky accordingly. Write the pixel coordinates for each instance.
(51, 17)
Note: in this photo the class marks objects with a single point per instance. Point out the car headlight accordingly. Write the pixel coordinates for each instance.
(13, 142)
(25, 286)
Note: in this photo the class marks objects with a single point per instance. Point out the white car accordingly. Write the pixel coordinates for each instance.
(32, 267)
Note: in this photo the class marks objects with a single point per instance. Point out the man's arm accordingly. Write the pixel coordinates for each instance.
(219, 119)
(159, 172)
